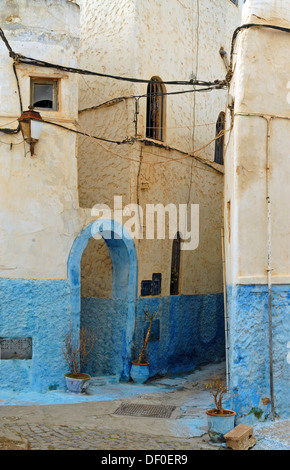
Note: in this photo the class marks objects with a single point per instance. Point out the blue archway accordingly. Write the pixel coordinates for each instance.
(124, 289)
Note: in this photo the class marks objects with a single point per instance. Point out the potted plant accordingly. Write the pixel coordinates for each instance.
(220, 421)
(140, 367)
(76, 351)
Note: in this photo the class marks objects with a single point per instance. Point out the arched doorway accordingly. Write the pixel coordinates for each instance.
(121, 310)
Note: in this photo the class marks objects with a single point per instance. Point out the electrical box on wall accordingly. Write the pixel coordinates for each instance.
(151, 287)
(156, 284)
(146, 288)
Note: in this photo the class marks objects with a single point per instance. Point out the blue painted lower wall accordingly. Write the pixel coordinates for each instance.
(189, 332)
(41, 310)
(107, 319)
(249, 349)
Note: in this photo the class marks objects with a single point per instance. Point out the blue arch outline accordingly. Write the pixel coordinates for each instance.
(125, 270)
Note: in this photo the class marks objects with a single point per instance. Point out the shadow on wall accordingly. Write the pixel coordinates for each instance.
(189, 332)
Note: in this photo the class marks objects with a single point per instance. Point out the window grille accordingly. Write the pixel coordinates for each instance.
(219, 143)
(155, 110)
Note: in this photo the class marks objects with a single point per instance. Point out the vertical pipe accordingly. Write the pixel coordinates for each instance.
(225, 307)
(269, 268)
(136, 116)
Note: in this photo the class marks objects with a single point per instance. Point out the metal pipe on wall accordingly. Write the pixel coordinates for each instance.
(268, 119)
(269, 269)
(225, 309)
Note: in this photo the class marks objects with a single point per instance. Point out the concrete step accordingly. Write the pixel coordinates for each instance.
(104, 380)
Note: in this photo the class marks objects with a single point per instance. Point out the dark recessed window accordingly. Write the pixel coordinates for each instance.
(155, 117)
(219, 143)
(44, 94)
(175, 265)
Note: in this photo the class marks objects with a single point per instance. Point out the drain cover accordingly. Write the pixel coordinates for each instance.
(146, 411)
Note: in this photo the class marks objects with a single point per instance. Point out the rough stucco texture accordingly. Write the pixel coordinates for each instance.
(249, 346)
(189, 331)
(37, 309)
(185, 37)
(107, 319)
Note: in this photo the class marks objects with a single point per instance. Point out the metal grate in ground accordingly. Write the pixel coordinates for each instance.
(145, 411)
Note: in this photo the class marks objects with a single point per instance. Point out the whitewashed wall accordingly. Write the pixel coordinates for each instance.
(174, 41)
(260, 88)
(38, 195)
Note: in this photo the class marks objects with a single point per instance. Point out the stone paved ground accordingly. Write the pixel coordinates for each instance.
(75, 438)
(94, 424)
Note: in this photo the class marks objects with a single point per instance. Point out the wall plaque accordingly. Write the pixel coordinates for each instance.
(15, 348)
(156, 284)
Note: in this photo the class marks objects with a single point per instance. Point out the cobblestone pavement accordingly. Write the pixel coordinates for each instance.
(93, 425)
(96, 424)
(43, 437)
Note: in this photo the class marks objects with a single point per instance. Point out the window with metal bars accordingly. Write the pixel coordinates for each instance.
(155, 118)
(219, 143)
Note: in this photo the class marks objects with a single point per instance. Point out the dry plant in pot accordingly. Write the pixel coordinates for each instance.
(220, 421)
(140, 367)
(76, 351)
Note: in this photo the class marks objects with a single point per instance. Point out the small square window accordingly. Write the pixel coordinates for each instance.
(44, 94)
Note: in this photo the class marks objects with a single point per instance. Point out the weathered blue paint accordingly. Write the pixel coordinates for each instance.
(139, 373)
(191, 332)
(43, 310)
(122, 390)
(188, 332)
(220, 425)
(249, 349)
(107, 318)
(40, 309)
(124, 291)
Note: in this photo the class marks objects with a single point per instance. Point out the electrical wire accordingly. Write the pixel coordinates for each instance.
(185, 155)
(84, 133)
(221, 85)
(7, 123)
(20, 58)
(8, 130)
(248, 26)
(41, 63)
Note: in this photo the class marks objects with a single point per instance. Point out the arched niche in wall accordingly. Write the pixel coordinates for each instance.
(112, 319)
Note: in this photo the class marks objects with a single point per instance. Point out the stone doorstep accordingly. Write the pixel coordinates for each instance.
(241, 437)
(104, 380)
(12, 441)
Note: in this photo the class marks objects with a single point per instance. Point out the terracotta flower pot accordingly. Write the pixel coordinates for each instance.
(220, 424)
(139, 372)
